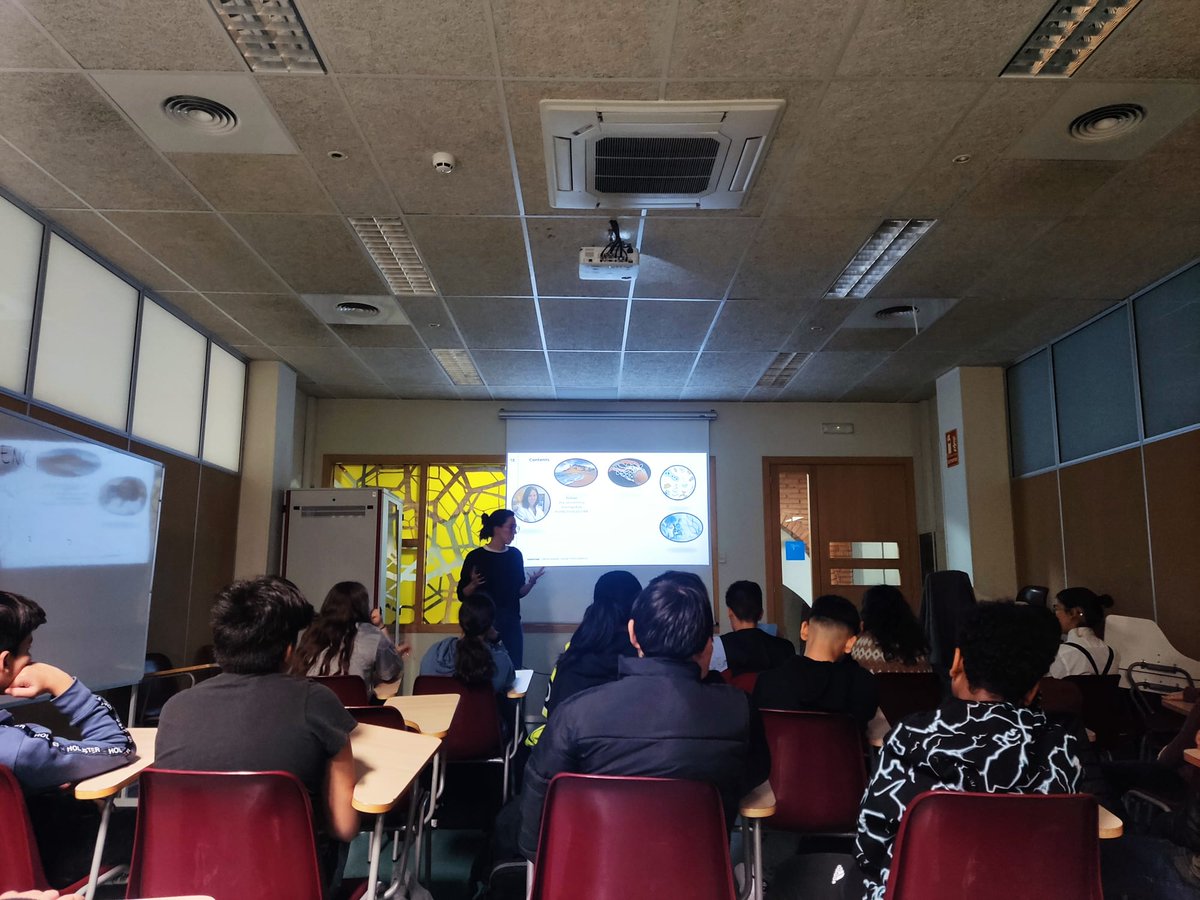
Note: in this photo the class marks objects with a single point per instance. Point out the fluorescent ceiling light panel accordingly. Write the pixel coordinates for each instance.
(269, 34)
(387, 240)
(458, 366)
(878, 256)
(781, 370)
(1066, 37)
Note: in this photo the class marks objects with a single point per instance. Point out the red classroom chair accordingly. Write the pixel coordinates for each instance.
(904, 693)
(350, 689)
(20, 862)
(227, 835)
(996, 846)
(818, 772)
(610, 838)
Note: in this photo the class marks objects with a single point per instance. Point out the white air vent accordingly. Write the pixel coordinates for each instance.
(356, 309)
(655, 154)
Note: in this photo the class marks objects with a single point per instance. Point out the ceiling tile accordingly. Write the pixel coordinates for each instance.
(969, 323)
(900, 376)
(496, 323)
(649, 393)
(407, 367)
(314, 254)
(826, 375)
(432, 321)
(327, 365)
(755, 324)
(584, 393)
(253, 182)
(378, 335)
(627, 39)
(473, 256)
(210, 317)
(461, 117)
(869, 339)
(417, 37)
(432, 392)
(655, 369)
(257, 351)
(669, 324)
(523, 392)
(1157, 40)
(101, 236)
(583, 324)
(525, 122)
(555, 244)
(798, 259)
(585, 369)
(1035, 188)
(939, 38)
(1164, 187)
(66, 125)
(512, 367)
(736, 372)
(115, 34)
(22, 178)
(278, 320)
(200, 248)
(320, 122)
(24, 46)
(692, 258)
(1039, 325)
(363, 390)
(825, 317)
(711, 393)
(749, 38)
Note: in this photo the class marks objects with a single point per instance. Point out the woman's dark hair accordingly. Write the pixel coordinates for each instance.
(19, 616)
(330, 638)
(607, 619)
(1090, 603)
(473, 663)
(494, 520)
(537, 495)
(254, 622)
(1007, 648)
(890, 620)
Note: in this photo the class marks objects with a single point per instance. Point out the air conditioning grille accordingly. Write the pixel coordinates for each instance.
(671, 165)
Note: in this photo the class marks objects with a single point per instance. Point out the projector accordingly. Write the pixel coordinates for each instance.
(593, 268)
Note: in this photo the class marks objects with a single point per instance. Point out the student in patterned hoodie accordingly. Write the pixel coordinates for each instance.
(986, 738)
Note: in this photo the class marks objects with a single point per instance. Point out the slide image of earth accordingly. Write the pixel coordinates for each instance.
(629, 472)
(68, 463)
(575, 472)
(125, 496)
(677, 482)
(531, 503)
(681, 527)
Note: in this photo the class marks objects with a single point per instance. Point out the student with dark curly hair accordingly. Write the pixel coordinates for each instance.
(892, 638)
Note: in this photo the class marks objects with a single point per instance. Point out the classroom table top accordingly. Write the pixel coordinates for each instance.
(1177, 703)
(107, 784)
(759, 803)
(521, 684)
(429, 713)
(1191, 756)
(1110, 825)
(386, 760)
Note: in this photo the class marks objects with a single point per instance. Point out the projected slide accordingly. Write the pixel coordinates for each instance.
(67, 503)
(589, 508)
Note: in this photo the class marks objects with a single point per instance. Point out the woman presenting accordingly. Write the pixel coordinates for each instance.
(499, 570)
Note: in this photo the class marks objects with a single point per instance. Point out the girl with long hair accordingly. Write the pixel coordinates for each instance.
(892, 638)
(478, 656)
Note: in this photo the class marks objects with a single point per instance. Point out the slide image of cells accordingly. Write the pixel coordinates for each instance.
(531, 503)
(629, 472)
(575, 472)
(125, 496)
(681, 527)
(68, 463)
(677, 482)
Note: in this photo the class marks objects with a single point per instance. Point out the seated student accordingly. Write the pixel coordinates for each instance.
(658, 718)
(342, 640)
(747, 647)
(255, 717)
(825, 678)
(476, 657)
(986, 738)
(892, 638)
(1080, 614)
(65, 829)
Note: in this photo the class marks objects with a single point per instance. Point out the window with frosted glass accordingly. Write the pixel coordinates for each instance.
(170, 381)
(1094, 387)
(1030, 414)
(20, 252)
(223, 409)
(85, 343)
(1168, 342)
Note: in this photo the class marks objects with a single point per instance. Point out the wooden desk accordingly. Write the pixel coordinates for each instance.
(1191, 756)
(1176, 703)
(521, 684)
(1110, 825)
(755, 806)
(429, 713)
(106, 786)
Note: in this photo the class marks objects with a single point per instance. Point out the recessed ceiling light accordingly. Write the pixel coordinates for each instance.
(896, 312)
(878, 256)
(435, 324)
(358, 310)
(458, 366)
(781, 370)
(269, 34)
(1107, 122)
(200, 113)
(336, 154)
(387, 240)
(816, 329)
(1066, 37)
(962, 158)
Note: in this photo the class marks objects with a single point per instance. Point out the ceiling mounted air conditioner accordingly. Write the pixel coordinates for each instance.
(655, 154)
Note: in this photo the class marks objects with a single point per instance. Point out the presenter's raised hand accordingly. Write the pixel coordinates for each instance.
(39, 678)
(477, 580)
(533, 579)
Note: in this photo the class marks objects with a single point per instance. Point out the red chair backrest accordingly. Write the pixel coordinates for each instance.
(350, 689)
(995, 847)
(818, 772)
(20, 863)
(745, 682)
(609, 838)
(475, 729)
(385, 716)
(227, 835)
(904, 693)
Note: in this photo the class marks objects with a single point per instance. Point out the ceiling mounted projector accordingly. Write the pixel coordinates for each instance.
(595, 266)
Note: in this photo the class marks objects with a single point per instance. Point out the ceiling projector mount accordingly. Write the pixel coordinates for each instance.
(617, 260)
